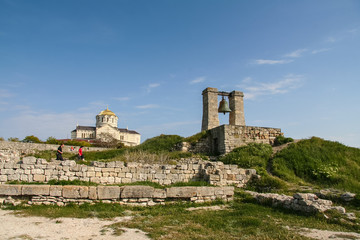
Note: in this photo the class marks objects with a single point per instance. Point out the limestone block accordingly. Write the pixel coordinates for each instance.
(181, 192)
(14, 177)
(31, 190)
(108, 192)
(56, 190)
(205, 191)
(107, 169)
(29, 160)
(10, 190)
(128, 175)
(75, 192)
(24, 177)
(9, 165)
(137, 192)
(90, 174)
(229, 191)
(159, 193)
(93, 193)
(95, 179)
(37, 171)
(3, 178)
(39, 178)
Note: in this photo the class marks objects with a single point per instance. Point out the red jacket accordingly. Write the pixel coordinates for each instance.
(80, 151)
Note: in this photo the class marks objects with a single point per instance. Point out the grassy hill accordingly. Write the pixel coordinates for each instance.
(313, 162)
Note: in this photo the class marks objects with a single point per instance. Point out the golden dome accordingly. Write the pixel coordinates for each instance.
(107, 112)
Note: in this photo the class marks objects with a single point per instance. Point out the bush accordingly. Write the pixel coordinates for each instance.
(52, 140)
(31, 139)
(13, 139)
(280, 140)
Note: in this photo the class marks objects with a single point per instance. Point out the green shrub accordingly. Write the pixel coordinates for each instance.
(13, 139)
(31, 139)
(52, 140)
(280, 140)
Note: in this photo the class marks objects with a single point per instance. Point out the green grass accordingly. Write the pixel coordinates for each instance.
(241, 219)
(319, 162)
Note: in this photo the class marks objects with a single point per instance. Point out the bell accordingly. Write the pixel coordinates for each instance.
(223, 106)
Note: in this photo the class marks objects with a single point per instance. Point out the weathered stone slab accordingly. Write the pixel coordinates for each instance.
(10, 190)
(75, 192)
(108, 192)
(205, 191)
(93, 193)
(56, 190)
(137, 192)
(181, 192)
(159, 193)
(29, 160)
(31, 190)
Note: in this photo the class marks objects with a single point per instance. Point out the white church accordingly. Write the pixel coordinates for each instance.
(106, 123)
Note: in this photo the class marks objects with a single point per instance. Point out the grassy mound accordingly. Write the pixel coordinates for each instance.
(320, 162)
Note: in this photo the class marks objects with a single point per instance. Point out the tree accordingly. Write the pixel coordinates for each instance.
(31, 139)
(52, 140)
(13, 139)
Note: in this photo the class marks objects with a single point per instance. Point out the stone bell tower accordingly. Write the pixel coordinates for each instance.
(210, 117)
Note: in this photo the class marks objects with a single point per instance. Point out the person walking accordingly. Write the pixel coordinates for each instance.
(81, 154)
(60, 152)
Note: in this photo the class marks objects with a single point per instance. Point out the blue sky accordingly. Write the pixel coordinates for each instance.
(62, 62)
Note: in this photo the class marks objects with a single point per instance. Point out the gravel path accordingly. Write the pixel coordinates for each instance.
(28, 228)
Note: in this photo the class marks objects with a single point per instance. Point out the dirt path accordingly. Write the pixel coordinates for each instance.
(29, 228)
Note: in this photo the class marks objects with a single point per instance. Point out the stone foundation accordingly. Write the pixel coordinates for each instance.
(133, 195)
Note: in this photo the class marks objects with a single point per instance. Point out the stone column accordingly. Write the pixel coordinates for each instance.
(210, 109)
(236, 104)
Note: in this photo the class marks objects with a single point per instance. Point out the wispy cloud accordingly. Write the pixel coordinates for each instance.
(254, 90)
(272, 62)
(331, 39)
(147, 106)
(4, 93)
(151, 86)
(198, 80)
(316, 51)
(296, 53)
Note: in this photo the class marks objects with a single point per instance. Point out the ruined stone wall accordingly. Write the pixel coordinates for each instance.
(225, 138)
(304, 202)
(30, 169)
(134, 195)
(27, 148)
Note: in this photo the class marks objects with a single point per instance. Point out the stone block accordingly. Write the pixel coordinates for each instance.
(159, 193)
(93, 193)
(29, 160)
(181, 192)
(108, 192)
(39, 178)
(56, 190)
(36, 190)
(10, 190)
(3, 178)
(75, 192)
(137, 192)
(205, 191)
